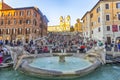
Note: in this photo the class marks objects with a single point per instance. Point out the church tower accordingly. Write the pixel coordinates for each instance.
(65, 23)
(61, 23)
(68, 23)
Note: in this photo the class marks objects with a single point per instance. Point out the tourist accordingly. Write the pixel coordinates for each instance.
(1, 57)
(82, 48)
(1, 54)
(99, 43)
(45, 49)
(119, 46)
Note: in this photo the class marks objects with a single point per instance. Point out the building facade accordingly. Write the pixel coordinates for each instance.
(64, 25)
(78, 26)
(23, 24)
(102, 22)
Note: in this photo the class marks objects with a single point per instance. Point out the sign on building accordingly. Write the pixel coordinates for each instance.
(114, 28)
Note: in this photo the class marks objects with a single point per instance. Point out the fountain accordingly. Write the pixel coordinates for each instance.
(62, 56)
(57, 65)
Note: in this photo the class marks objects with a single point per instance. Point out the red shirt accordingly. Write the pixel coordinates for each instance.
(82, 47)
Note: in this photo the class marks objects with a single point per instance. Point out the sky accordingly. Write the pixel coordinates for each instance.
(53, 9)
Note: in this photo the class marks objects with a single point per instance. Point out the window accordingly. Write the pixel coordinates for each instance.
(28, 13)
(34, 22)
(19, 31)
(117, 5)
(8, 22)
(13, 31)
(0, 31)
(9, 14)
(27, 30)
(15, 13)
(99, 29)
(35, 31)
(108, 28)
(20, 21)
(15, 22)
(35, 15)
(118, 16)
(21, 13)
(91, 23)
(2, 14)
(92, 32)
(107, 17)
(98, 19)
(2, 22)
(98, 9)
(7, 31)
(106, 6)
(27, 21)
(91, 15)
(83, 21)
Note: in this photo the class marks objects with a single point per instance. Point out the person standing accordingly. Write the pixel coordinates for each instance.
(119, 46)
(1, 57)
(1, 54)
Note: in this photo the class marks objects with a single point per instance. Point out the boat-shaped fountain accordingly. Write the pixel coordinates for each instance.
(58, 65)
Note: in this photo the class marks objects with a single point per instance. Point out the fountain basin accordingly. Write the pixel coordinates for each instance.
(50, 67)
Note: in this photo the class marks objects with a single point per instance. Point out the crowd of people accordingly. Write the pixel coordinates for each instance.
(68, 43)
(59, 43)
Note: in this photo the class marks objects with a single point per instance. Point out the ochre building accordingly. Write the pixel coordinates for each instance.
(23, 24)
(78, 26)
(102, 22)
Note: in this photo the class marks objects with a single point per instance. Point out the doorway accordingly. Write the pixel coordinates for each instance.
(109, 40)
